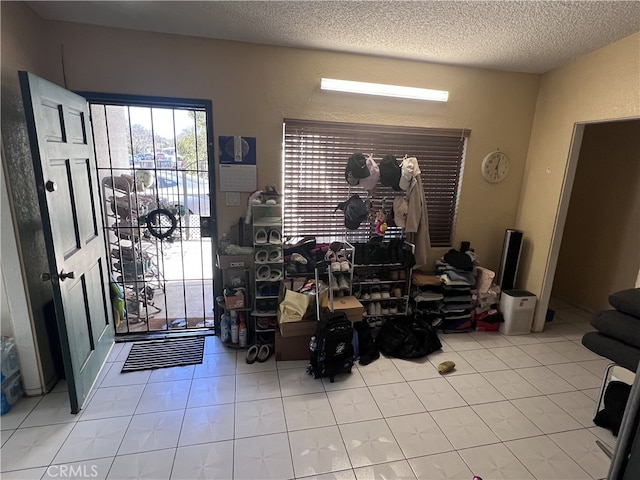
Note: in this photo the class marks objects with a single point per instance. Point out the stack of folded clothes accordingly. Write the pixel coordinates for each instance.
(457, 272)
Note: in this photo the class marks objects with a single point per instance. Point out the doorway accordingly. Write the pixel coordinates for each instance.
(155, 169)
(599, 254)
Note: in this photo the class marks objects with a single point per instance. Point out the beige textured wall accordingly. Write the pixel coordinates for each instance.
(603, 85)
(254, 87)
(600, 251)
(25, 44)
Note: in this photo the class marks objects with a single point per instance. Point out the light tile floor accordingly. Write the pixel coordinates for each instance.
(516, 407)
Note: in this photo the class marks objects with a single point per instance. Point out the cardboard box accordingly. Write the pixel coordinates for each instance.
(236, 301)
(351, 307)
(235, 261)
(294, 329)
(292, 348)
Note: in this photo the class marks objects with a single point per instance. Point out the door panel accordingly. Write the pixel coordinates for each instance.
(64, 165)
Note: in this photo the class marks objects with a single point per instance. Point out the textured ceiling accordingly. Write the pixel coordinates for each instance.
(522, 36)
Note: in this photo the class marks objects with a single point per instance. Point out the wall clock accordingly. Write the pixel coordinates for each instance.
(495, 167)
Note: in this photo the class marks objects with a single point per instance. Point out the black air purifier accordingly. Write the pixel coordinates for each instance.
(510, 259)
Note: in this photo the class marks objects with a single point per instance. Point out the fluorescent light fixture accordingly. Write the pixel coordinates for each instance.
(384, 90)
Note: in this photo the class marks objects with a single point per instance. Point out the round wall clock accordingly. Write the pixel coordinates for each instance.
(495, 167)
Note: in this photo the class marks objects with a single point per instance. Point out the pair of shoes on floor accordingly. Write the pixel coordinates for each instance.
(259, 353)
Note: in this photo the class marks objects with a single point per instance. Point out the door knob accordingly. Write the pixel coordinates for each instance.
(45, 277)
(64, 275)
(51, 186)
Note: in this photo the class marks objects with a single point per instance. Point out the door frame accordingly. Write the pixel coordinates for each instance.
(561, 218)
(147, 101)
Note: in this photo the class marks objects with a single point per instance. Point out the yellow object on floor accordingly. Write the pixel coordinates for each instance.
(446, 367)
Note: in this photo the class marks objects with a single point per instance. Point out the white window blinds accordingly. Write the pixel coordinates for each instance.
(315, 156)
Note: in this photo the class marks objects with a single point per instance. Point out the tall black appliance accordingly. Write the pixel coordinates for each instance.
(510, 259)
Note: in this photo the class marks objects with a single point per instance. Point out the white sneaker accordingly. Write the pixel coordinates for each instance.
(378, 308)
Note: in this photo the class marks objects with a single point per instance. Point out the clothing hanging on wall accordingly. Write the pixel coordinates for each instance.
(417, 224)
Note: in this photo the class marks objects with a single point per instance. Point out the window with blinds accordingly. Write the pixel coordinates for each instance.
(315, 156)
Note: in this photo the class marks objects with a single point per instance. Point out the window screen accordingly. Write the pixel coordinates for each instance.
(315, 156)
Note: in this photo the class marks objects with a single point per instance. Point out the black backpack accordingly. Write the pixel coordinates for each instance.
(331, 348)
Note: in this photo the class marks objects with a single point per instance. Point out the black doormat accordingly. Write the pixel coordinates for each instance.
(164, 353)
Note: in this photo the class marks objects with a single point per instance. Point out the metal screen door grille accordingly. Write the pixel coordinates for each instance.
(154, 177)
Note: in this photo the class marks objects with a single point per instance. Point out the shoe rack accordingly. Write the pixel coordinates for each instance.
(340, 272)
(382, 284)
(266, 215)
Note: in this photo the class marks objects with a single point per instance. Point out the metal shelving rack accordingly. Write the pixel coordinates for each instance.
(266, 218)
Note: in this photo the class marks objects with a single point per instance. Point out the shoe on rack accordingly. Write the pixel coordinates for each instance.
(341, 259)
(336, 246)
(384, 292)
(397, 292)
(378, 308)
(276, 274)
(366, 295)
(262, 256)
(275, 255)
(263, 272)
(342, 283)
(332, 258)
(275, 238)
(297, 257)
(300, 262)
(261, 237)
(371, 309)
(375, 293)
(335, 286)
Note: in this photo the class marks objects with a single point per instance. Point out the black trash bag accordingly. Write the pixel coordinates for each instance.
(407, 337)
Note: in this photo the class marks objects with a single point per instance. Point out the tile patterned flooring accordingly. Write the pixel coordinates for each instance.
(516, 407)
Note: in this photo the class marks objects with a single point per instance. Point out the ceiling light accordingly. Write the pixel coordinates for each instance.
(384, 90)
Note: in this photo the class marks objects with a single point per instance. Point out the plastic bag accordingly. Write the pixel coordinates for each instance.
(295, 307)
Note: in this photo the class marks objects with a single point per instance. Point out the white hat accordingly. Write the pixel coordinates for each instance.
(370, 182)
(410, 170)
